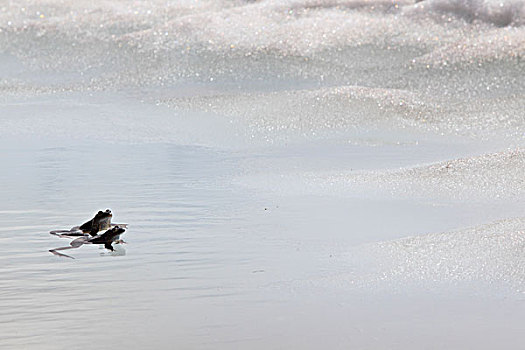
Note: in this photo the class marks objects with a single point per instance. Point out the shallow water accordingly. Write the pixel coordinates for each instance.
(212, 260)
(295, 174)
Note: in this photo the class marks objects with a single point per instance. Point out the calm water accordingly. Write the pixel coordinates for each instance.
(208, 263)
(269, 158)
(179, 249)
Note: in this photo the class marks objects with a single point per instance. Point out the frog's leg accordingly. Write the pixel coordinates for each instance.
(68, 234)
(74, 244)
(78, 242)
(74, 231)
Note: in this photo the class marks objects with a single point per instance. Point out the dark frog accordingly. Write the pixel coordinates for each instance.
(101, 221)
(107, 239)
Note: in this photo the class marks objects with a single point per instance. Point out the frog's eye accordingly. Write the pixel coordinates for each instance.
(100, 212)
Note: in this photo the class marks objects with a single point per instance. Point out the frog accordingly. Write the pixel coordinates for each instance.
(106, 238)
(100, 222)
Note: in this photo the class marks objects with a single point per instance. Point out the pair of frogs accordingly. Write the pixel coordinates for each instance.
(88, 233)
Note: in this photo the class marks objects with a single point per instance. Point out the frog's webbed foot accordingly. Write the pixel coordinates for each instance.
(109, 246)
(60, 254)
(55, 251)
(121, 241)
